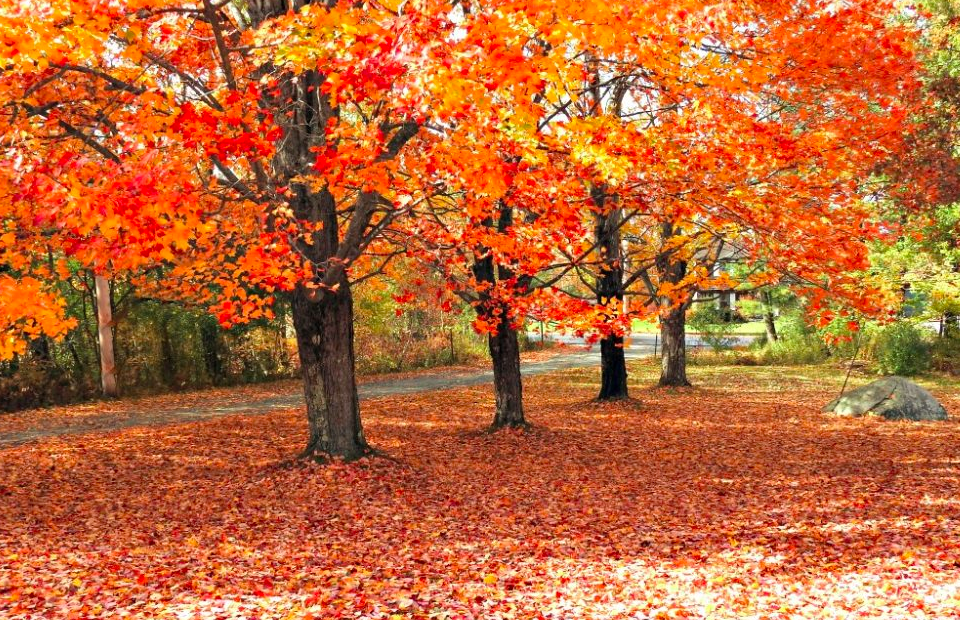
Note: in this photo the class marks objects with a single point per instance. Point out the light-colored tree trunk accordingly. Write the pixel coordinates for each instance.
(769, 320)
(108, 368)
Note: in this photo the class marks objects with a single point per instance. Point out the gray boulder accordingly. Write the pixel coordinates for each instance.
(893, 398)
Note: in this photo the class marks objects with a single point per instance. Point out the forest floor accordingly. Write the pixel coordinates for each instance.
(735, 499)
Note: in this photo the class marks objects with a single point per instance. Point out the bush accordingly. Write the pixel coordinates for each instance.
(418, 336)
(751, 309)
(35, 384)
(798, 344)
(794, 350)
(709, 321)
(901, 349)
(945, 355)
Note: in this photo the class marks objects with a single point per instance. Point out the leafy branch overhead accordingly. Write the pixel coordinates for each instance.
(141, 133)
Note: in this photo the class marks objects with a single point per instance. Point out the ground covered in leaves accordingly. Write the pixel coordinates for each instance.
(737, 499)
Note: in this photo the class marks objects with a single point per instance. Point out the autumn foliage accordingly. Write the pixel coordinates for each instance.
(143, 134)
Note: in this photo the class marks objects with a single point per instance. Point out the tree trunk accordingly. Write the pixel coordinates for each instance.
(613, 369)
(507, 381)
(108, 369)
(504, 345)
(673, 325)
(322, 312)
(771, 326)
(324, 330)
(322, 315)
(951, 325)
(209, 331)
(168, 370)
(613, 361)
(768, 318)
(673, 353)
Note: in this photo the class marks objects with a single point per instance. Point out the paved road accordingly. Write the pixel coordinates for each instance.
(576, 355)
(640, 345)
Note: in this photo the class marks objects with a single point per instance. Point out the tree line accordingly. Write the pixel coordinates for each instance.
(582, 164)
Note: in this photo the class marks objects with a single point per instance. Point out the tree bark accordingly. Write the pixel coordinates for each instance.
(322, 310)
(504, 345)
(613, 369)
(673, 325)
(768, 318)
(507, 381)
(950, 326)
(324, 331)
(613, 361)
(322, 315)
(673, 353)
(168, 371)
(108, 369)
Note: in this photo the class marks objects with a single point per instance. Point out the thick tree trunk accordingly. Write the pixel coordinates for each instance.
(613, 362)
(673, 353)
(507, 381)
(108, 369)
(504, 345)
(613, 369)
(323, 312)
(673, 325)
(324, 331)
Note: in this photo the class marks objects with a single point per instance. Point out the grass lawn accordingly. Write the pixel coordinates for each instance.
(735, 499)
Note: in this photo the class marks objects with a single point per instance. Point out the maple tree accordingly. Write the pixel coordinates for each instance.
(925, 261)
(505, 263)
(759, 124)
(680, 270)
(27, 310)
(230, 143)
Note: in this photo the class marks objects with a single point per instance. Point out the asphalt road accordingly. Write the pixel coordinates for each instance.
(576, 354)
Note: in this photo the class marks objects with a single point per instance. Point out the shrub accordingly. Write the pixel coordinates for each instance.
(901, 349)
(35, 384)
(798, 344)
(945, 355)
(794, 350)
(708, 321)
(751, 309)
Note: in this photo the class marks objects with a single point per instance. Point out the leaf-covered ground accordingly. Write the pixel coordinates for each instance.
(734, 500)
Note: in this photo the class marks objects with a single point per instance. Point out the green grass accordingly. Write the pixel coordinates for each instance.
(709, 369)
(753, 328)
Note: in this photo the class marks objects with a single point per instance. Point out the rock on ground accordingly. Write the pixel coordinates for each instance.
(893, 398)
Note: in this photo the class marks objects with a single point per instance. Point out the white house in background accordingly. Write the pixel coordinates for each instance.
(724, 299)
